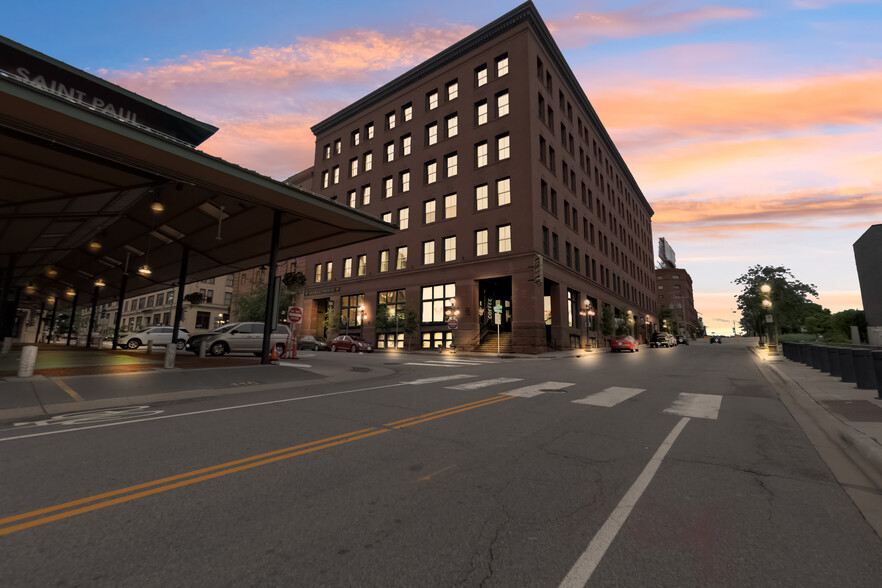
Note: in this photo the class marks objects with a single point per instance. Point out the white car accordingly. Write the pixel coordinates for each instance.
(159, 336)
(244, 338)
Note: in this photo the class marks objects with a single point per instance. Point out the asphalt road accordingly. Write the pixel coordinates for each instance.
(667, 467)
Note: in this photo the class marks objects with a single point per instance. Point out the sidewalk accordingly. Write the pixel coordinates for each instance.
(857, 413)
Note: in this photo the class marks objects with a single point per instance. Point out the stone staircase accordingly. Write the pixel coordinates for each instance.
(489, 344)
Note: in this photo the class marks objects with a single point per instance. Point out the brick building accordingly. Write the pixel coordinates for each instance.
(510, 197)
(675, 294)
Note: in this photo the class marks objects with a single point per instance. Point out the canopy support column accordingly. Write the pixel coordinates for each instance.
(269, 321)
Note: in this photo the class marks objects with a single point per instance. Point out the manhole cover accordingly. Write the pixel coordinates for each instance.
(359, 369)
(862, 411)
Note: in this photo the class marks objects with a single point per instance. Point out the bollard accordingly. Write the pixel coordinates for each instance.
(824, 357)
(28, 359)
(170, 351)
(203, 347)
(7, 346)
(806, 357)
(833, 358)
(864, 373)
(149, 346)
(877, 365)
(785, 349)
(815, 357)
(846, 364)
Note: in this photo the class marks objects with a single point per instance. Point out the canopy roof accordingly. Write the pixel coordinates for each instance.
(84, 161)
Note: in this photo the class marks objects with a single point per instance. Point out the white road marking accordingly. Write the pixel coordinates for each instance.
(610, 396)
(531, 391)
(295, 365)
(450, 362)
(700, 406)
(589, 560)
(439, 379)
(183, 414)
(483, 383)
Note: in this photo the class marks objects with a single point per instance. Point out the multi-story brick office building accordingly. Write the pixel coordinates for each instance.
(675, 295)
(510, 196)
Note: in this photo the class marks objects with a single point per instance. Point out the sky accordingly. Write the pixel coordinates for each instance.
(754, 129)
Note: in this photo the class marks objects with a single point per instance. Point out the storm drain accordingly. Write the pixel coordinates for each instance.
(859, 411)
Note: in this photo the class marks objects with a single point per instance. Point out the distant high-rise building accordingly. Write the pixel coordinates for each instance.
(868, 259)
(514, 206)
(675, 295)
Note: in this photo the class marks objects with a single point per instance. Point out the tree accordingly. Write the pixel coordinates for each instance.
(607, 321)
(251, 306)
(789, 297)
(408, 321)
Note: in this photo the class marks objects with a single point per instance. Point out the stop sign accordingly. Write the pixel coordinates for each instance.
(295, 314)
(452, 324)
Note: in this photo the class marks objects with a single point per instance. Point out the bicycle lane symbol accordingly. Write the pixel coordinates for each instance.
(90, 417)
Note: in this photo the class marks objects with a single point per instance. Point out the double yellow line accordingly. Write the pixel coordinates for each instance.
(35, 518)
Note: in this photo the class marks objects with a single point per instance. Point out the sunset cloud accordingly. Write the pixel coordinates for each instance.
(654, 18)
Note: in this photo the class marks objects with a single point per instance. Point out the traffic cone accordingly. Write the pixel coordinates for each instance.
(274, 356)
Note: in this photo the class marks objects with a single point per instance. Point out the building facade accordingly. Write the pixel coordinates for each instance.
(516, 212)
(674, 286)
(867, 253)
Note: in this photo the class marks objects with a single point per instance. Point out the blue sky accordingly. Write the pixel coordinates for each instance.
(753, 128)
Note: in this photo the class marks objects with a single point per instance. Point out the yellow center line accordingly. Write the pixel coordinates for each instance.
(217, 471)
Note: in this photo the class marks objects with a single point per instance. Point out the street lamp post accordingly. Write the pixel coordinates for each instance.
(770, 318)
(452, 313)
(394, 310)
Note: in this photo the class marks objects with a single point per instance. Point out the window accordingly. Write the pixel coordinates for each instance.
(428, 252)
(452, 90)
(434, 300)
(503, 235)
(481, 242)
(545, 246)
(327, 151)
(387, 187)
(403, 218)
(170, 297)
(450, 162)
(329, 271)
(431, 172)
(404, 181)
(502, 147)
(450, 206)
(353, 167)
(390, 120)
(347, 267)
(432, 100)
(318, 273)
(350, 310)
(481, 112)
(365, 195)
(429, 212)
(369, 130)
(390, 151)
(502, 104)
(368, 161)
(554, 246)
(401, 258)
(387, 217)
(352, 197)
(203, 320)
(325, 178)
(452, 125)
(481, 153)
(503, 192)
(356, 138)
(362, 265)
(405, 145)
(407, 112)
(481, 76)
(338, 146)
(482, 202)
(432, 134)
(501, 65)
(384, 260)
(336, 172)
(450, 248)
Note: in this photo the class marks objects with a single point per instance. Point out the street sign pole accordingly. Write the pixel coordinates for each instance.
(295, 315)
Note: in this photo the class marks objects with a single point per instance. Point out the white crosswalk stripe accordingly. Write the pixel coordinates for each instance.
(483, 384)
(610, 396)
(536, 390)
(437, 379)
(450, 363)
(700, 406)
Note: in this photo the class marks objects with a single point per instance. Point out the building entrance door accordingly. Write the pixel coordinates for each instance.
(321, 313)
(494, 300)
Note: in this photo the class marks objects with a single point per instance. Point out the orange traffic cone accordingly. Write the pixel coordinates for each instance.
(274, 356)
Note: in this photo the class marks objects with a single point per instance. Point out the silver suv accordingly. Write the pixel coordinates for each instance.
(244, 338)
(159, 336)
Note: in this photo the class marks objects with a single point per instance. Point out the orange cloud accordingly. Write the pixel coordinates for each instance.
(644, 20)
(745, 106)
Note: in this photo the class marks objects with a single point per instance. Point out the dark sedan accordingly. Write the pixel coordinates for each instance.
(349, 343)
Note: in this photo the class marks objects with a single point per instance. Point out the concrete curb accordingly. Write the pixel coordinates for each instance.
(866, 446)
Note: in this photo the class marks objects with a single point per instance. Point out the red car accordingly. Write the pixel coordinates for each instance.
(349, 343)
(623, 342)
